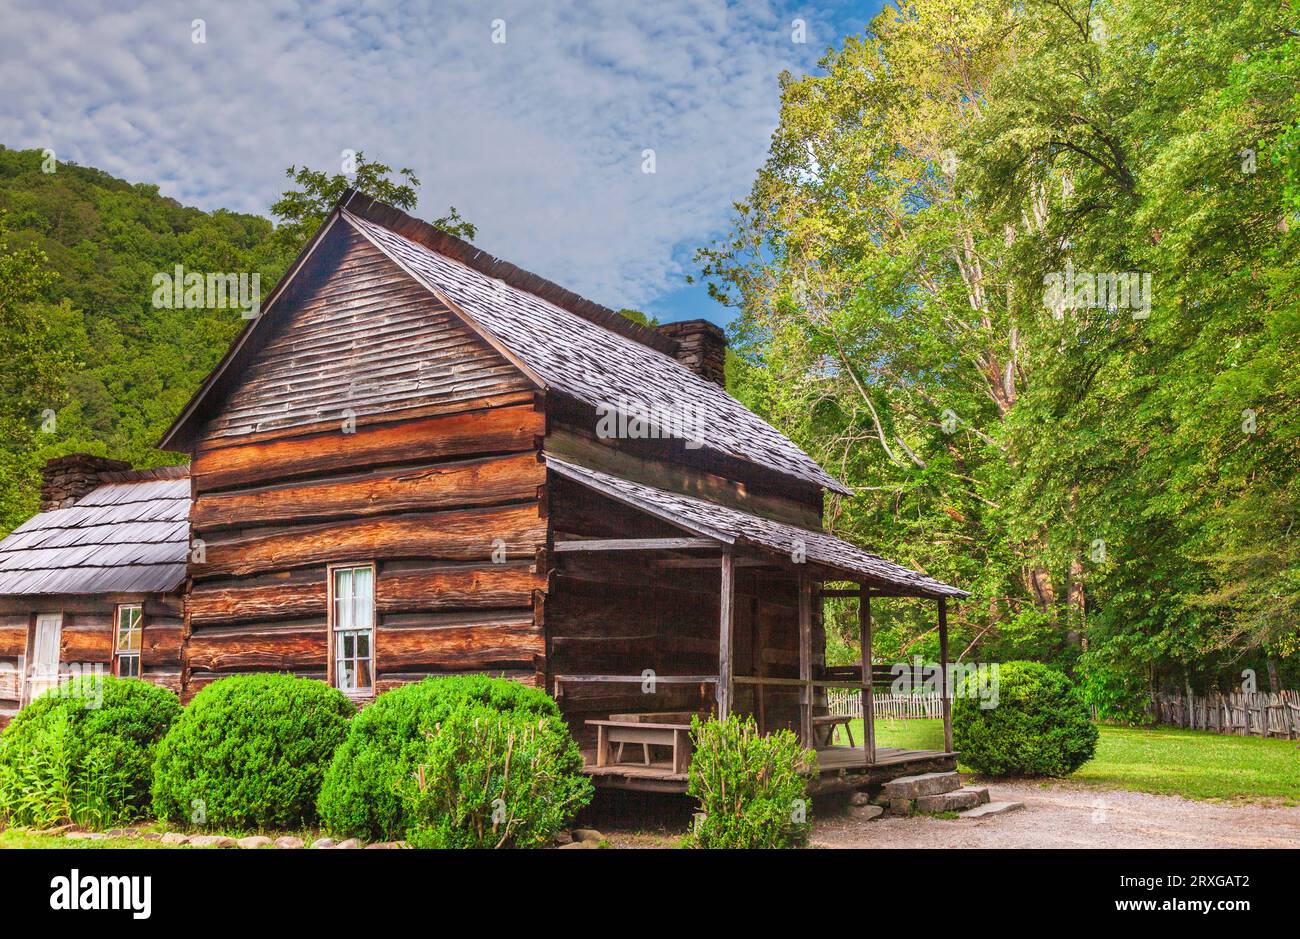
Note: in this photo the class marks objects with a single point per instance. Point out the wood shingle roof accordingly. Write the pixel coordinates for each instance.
(734, 527)
(130, 535)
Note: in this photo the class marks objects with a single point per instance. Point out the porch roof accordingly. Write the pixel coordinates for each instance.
(734, 527)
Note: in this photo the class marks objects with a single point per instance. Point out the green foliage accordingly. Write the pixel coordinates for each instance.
(1040, 726)
(493, 779)
(1092, 477)
(93, 350)
(302, 210)
(1114, 693)
(752, 788)
(83, 752)
(249, 752)
(386, 743)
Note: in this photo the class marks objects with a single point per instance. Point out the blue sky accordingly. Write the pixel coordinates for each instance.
(538, 140)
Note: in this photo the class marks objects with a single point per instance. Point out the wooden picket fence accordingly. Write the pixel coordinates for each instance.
(1256, 715)
(847, 702)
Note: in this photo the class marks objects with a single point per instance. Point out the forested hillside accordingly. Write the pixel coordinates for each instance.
(1025, 275)
(114, 370)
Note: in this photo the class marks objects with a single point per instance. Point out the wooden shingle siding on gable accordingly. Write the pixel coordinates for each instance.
(368, 339)
(442, 466)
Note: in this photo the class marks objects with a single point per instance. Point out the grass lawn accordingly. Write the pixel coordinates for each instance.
(1161, 760)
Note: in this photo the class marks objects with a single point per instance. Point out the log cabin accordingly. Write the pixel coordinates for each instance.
(94, 583)
(422, 460)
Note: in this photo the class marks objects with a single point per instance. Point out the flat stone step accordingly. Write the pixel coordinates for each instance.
(948, 801)
(913, 787)
(992, 808)
(981, 791)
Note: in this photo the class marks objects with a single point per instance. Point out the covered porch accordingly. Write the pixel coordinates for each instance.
(724, 616)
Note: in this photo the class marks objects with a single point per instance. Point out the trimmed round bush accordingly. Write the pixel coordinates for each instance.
(493, 779)
(386, 742)
(1040, 726)
(83, 752)
(249, 752)
(752, 787)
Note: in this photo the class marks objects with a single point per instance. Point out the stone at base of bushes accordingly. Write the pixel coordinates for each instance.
(387, 845)
(86, 835)
(349, 843)
(174, 837)
(324, 843)
(579, 844)
(563, 837)
(289, 842)
(255, 841)
(212, 841)
(587, 834)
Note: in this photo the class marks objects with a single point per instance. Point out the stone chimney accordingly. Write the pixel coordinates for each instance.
(701, 347)
(68, 478)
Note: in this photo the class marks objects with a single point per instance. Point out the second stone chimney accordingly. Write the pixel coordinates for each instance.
(701, 347)
(68, 478)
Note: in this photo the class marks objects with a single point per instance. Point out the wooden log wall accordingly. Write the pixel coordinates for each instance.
(429, 501)
(441, 489)
(86, 637)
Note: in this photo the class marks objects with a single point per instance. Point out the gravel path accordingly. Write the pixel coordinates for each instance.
(1064, 816)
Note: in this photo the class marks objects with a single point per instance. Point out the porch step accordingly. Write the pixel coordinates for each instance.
(966, 798)
(914, 787)
(991, 808)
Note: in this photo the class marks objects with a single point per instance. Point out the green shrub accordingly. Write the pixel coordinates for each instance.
(83, 752)
(752, 789)
(386, 742)
(249, 752)
(493, 779)
(1041, 725)
(1122, 695)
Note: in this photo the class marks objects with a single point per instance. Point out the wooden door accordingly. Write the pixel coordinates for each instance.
(43, 670)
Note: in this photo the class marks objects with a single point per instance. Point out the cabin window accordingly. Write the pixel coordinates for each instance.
(352, 627)
(126, 647)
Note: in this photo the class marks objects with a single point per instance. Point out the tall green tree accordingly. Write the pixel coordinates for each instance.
(1080, 465)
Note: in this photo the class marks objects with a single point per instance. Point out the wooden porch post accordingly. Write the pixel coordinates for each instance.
(805, 659)
(868, 701)
(943, 674)
(726, 621)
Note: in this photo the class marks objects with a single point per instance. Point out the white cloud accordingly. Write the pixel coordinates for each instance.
(538, 141)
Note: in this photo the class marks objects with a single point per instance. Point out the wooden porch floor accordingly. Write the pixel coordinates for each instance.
(838, 767)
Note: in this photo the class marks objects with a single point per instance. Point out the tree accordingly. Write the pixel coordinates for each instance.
(1079, 464)
(302, 210)
(33, 369)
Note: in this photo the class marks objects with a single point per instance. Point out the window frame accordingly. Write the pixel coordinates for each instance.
(332, 631)
(138, 627)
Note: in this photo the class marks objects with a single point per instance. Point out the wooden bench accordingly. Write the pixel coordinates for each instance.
(824, 728)
(671, 730)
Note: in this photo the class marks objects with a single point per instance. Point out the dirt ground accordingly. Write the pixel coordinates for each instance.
(1056, 815)
(1060, 815)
